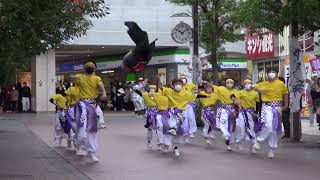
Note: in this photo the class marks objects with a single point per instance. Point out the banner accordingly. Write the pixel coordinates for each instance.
(284, 42)
(297, 74)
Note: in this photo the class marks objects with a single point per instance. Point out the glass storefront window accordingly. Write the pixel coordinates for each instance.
(275, 65)
(261, 71)
(268, 65)
(263, 67)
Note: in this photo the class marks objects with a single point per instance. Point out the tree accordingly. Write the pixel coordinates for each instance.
(30, 27)
(218, 26)
(275, 15)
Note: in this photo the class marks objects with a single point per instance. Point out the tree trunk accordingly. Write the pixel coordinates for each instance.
(214, 46)
(215, 67)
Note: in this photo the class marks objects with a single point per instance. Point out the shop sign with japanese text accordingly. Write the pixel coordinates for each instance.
(260, 45)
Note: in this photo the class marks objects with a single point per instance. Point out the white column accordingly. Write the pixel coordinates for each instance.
(43, 69)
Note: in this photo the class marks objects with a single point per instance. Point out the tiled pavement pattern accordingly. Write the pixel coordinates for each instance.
(25, 156)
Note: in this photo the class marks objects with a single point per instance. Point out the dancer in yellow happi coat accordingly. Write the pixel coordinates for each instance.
(178, 103)
(162, 122)
(72, 95)
(274, 96)
(226, 117)
(193, 88)
(89, 86)
(208, 112)
(60, 101)
(151, 113)
(247, 99)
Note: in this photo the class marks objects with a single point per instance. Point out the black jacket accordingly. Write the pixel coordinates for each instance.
(25, 92)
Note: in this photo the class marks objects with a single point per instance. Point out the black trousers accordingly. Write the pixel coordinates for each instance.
(286, 122)
(13, 106)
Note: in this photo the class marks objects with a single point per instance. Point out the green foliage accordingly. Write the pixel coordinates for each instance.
(30, 27)
(275, 15)
(219, 24)
(222, 19)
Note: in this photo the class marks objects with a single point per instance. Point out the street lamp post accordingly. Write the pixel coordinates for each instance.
(196, 64)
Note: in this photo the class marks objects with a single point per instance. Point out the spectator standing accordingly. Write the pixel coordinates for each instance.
(1, 96)
(6, 95)
(308, 99)
(120, 97)
(25, 97)
(14, 96)
(285, 116)
(19, 105)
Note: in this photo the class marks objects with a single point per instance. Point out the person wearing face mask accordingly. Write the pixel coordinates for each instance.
(274, 96)
(225, 113)
(190, 107)
(246, 99)
(186, 85)
(151, 113)
(87, 125)
(178, 122)
(209, 106)
(14, 97)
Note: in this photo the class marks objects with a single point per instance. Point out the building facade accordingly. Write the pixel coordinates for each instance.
(266, 53)
(107, 41)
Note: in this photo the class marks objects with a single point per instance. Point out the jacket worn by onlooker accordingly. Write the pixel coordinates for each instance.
(25, 92)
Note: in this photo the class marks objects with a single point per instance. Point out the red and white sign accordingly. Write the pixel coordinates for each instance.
(260, 45)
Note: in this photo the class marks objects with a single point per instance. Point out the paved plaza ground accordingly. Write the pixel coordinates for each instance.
(27, 152)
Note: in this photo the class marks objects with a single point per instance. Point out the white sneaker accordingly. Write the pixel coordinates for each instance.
(271, 154)
(257, 146)
(192, 135)
(93, 157)
(176, 152)
(70, 147)
(208, 142)
(159, 147)
(102, 126)
(81, 152)
(239, 146)
(253, 150)
(212, 136)
(229, 148)
(149, 145)
(58, 142)
(165, 149)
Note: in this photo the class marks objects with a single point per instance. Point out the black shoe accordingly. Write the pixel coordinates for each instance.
(285, 137)
(147, 125)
